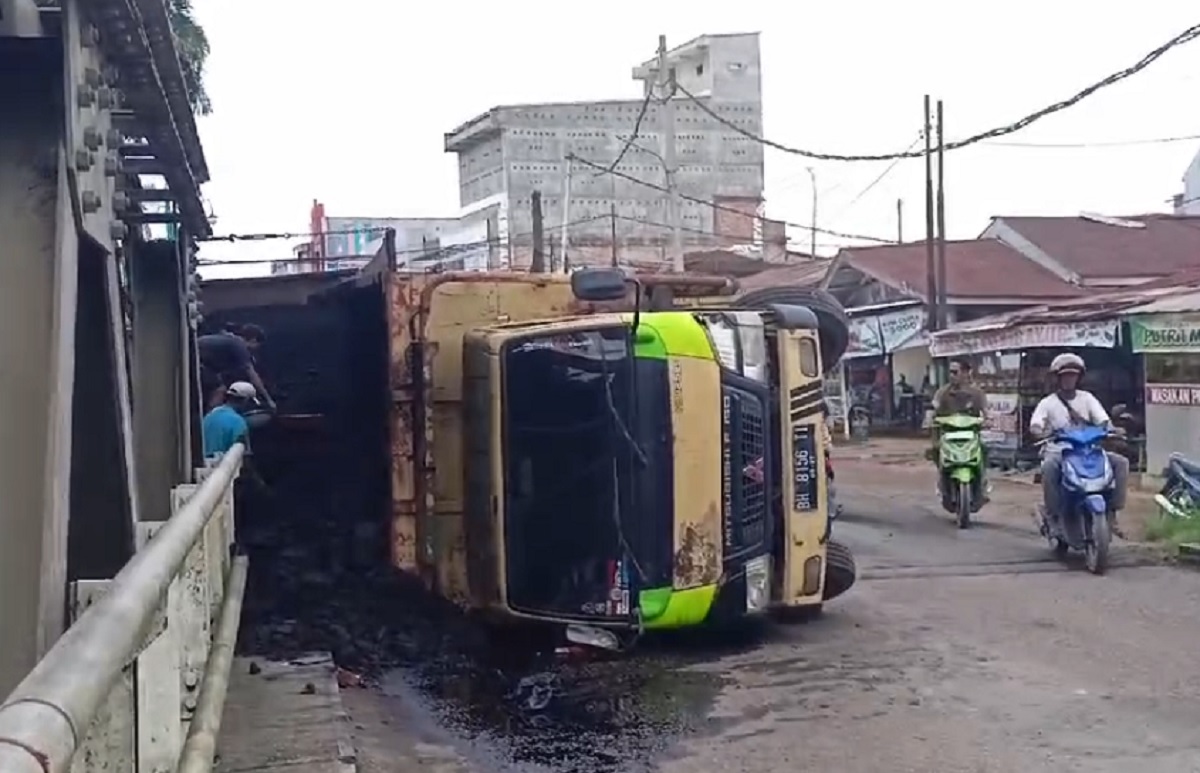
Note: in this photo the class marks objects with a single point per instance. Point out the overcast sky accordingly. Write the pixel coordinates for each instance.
(348, 102)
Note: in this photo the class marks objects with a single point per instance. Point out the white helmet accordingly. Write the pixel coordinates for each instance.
(242, 389)
(1067, 363)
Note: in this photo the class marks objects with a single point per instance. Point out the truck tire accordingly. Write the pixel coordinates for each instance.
(834, 324)
(840, 574)
(840, 569)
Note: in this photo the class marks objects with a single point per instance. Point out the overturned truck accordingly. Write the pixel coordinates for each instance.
(579, 452)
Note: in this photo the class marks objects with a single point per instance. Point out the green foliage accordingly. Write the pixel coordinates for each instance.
(1174, 531)
(193, 52)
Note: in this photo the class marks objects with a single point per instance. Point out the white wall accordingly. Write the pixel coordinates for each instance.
(912, 363)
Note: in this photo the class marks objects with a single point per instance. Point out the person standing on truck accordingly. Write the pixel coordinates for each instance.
(228, 357)
(224, 426)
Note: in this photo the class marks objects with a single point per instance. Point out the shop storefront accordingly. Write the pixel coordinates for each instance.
(1170, 346)
(885, 365)
(1012, 365)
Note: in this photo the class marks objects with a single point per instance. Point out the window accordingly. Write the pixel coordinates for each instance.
(808, 358)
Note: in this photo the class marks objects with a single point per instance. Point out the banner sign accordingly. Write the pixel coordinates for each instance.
(1054, 335)
(1002, 429)
(1173, 394)
(886, 333)
(1165, 333)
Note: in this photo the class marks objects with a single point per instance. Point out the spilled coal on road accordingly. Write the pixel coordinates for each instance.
(319, 582)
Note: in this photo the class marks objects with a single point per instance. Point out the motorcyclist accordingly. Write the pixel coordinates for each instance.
(1070, 406)
(960, 397)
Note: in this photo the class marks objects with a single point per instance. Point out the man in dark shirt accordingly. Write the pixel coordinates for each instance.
(227, 357)
(960, 395)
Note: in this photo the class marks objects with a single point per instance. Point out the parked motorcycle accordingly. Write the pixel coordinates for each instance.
(1086, 485)
(960, 465)
(1180, 494)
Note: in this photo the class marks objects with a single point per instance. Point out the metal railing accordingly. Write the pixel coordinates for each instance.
(137, 682)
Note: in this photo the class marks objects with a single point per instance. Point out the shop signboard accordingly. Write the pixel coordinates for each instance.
(1054, 335)
(886, 333)
(1002, 428)
(1173, 394)
(1163, 334)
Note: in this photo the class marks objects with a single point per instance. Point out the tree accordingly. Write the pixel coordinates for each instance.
(193, 52)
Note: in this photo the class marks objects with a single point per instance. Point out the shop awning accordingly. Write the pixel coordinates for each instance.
(1055, 335)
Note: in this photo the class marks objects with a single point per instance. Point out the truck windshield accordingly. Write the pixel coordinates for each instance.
(573, 457)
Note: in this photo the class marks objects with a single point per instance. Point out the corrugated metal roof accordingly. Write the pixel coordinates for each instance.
(1162, 245)
(1179, 294)
(975, 268)
(804, 273)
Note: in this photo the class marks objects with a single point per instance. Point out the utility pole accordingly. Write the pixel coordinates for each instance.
(612, 210)
(900, 220)
(538, 264)
(566, 213)
(930, 265)
(941, 221)
(666, 84)
(812, 251)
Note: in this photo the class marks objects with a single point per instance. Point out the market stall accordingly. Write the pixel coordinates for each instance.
(886, 361)
(1170, 347)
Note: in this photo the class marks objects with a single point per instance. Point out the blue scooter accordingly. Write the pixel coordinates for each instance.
(1087, 486)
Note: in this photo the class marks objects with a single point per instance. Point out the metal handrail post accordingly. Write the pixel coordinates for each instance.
(200, 748)
(47, 716)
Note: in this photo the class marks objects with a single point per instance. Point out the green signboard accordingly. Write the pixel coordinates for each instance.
(1165, 333)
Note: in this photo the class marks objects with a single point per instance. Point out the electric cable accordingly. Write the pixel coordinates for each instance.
(724, 208)
(888, 170)
(629, 142)
(1109, 144)
(448, 249)
(1186, 36)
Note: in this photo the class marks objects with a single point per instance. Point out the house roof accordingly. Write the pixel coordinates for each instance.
(802, 273)
(975, 268)
(1181, 294)
(1096, 250)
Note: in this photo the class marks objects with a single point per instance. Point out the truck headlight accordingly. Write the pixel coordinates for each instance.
(758, 583)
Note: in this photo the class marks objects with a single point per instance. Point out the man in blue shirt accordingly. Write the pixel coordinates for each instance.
(224, 425)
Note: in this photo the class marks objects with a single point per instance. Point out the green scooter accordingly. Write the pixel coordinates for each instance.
(960, 465)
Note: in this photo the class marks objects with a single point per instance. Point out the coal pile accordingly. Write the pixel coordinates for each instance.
(319, 580)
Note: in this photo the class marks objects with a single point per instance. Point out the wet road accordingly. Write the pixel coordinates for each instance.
(956, 651)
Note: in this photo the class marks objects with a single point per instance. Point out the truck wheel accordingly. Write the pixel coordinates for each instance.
(840, 570)
(834, 324)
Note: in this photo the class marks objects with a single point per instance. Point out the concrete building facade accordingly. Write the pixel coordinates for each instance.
(507, 153)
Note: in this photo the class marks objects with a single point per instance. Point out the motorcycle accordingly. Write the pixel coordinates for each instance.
(1086, 485)
(1180, 494)
(960, 465)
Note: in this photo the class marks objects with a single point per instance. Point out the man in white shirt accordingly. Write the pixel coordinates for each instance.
(1069, 406)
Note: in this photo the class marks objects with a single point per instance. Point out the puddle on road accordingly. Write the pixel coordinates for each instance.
(574, 718)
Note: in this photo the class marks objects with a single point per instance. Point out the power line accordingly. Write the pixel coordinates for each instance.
(1186, 36)
(1110, 144)
(724, 208)
(270, 236)
(637, 128)
(448, 249)
(879, 178)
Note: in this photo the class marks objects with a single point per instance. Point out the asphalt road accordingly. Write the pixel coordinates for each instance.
(957, 651)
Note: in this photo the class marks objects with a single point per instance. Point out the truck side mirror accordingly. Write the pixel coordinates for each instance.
(599, 284)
